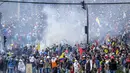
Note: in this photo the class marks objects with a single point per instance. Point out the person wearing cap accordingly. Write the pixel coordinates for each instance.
(76, 66)
(40, 66)
(83, 62)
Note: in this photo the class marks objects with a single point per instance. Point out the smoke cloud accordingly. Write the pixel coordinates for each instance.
(51, 24)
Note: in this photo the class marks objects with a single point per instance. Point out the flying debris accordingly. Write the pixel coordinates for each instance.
(98, 21)
(124, 14)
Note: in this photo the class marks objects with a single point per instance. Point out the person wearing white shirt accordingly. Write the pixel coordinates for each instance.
(21, 66)
(76, 67)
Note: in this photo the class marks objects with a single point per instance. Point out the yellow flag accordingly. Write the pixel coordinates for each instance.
(113, 43)
(106, 50)
(62, 55)
(108, 40)
(9, 53)
(38, 47)
(97, 20)
(117, 51)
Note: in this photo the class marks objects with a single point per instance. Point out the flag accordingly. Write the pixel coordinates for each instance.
(62, 57)
(97, 20)
(117, 51)
(66, 51)
(80, 51)
(38, 47)
(106, 50)
(113, 43)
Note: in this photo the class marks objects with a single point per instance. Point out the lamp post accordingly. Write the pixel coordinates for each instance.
(85, 7)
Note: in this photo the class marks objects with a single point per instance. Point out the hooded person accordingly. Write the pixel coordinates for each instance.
(21, 66)
(76, 66)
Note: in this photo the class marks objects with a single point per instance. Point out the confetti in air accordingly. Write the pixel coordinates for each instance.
(49, 24)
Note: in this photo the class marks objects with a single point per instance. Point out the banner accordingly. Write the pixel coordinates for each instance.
(28, 68)
(38, 47)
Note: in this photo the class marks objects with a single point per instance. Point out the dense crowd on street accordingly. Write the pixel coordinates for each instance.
(113, 56)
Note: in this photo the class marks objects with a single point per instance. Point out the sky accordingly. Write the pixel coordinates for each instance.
(49, 24)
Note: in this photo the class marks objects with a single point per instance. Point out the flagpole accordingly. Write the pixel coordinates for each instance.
(85, 7)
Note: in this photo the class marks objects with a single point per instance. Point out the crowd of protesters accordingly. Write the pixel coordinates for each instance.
(113, 56)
